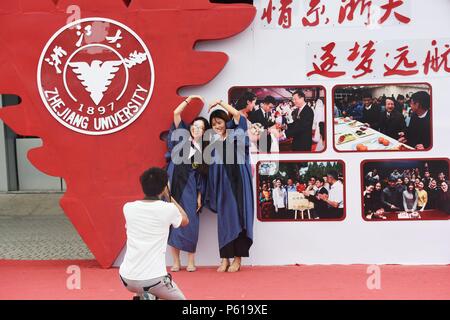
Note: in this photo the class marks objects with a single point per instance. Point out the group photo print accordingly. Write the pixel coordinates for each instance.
(406, 190)
(388, 117)
(301, 191)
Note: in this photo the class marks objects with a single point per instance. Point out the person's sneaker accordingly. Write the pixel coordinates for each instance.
(147, 296)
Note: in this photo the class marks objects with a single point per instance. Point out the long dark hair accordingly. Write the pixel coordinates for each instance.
(414, 192)
(243, 101)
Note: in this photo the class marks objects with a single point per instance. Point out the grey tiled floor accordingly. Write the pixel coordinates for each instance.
(40, 237)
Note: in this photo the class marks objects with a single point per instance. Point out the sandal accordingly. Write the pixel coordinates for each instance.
(191, 268)
(234, 267)
(223, 267)
(175, 268)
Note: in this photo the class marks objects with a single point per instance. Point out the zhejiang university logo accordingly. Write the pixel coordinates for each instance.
(95, 76)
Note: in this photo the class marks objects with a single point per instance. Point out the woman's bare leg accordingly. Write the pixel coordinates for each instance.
(176, 260)
(191, 262)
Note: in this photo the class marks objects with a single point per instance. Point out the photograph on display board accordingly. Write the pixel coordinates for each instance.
(405, 190)
(300, 190)
(385, 117)
(283, 118)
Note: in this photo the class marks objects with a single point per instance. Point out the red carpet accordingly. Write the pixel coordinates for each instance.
(47, 280)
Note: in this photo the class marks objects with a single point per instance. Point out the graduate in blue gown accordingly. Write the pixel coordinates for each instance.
(230, 189)
(187, 177)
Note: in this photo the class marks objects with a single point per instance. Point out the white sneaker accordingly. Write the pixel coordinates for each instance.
(147, 296)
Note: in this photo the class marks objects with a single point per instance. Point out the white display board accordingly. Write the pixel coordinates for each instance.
(264, 55)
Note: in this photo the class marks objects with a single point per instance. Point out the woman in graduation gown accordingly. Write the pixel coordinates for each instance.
(187, 177)
(230, 189)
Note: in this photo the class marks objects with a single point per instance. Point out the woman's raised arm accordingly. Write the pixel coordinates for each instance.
(179, 110)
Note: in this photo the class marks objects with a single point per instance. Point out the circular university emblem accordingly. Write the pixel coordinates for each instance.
(95, 76)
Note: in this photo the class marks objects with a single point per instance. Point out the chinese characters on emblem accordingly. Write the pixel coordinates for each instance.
(87, 31)
(59, 53)
(134, 59)
(55, 58)
(115, 39)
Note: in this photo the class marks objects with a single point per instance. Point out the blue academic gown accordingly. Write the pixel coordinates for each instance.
(230, 188)
(185, 182)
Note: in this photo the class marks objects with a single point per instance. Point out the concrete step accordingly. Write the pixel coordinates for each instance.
(30, 204)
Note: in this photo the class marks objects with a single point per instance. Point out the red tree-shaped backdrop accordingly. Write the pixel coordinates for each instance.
(102, 171)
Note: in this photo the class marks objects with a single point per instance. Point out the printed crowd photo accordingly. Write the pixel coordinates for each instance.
(301, 191)
(389, 117)
(406, 190)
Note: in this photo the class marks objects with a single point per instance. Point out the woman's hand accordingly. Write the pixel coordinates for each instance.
(193, 97)
(199, 202)
(177, 112)
(166, 194)
(232, 111)
(217, 102)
